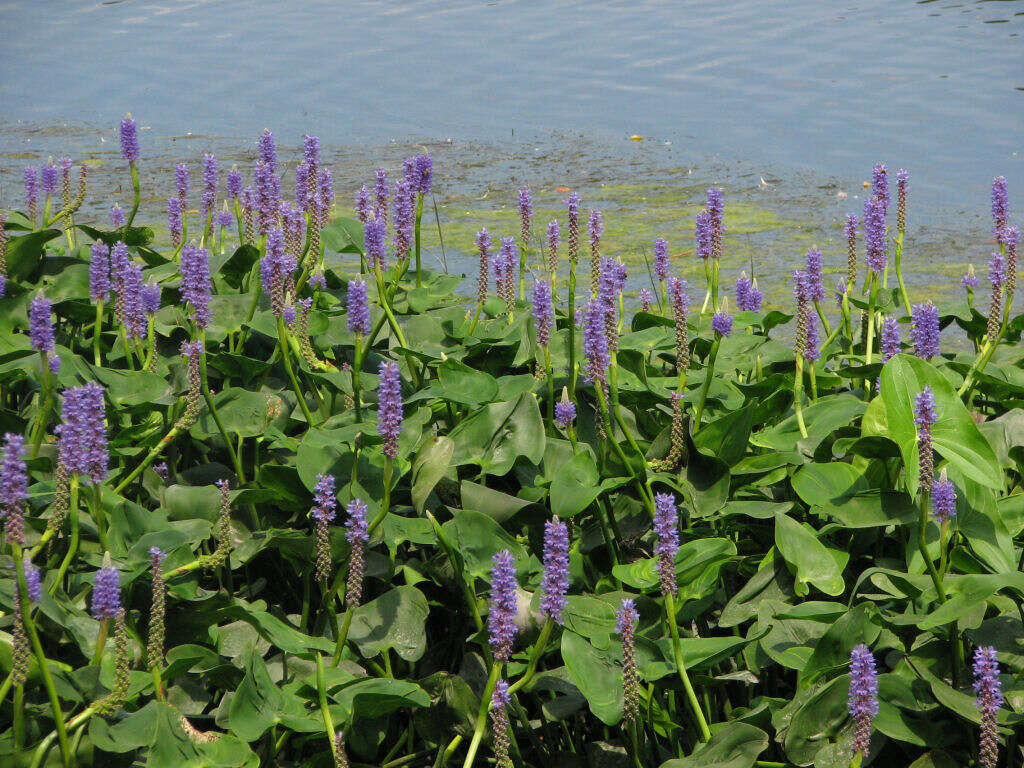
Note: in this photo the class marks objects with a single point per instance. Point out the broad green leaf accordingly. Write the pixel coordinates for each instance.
(596, 674)
(430, 465)
(813, 562)
(395, 620)
(732, 745)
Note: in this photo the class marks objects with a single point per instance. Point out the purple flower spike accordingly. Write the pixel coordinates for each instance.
(82, 434)
(970, 279)
(554, 236)
(748, 297)
(645, 299)
(175, 221)
(374, 233)
(890, 341)
(850, 230)
(117, 218)
(380, 190)
(925, 417)
(572, 203)
(997, 271)
(234, 184)
(151, 298)
(595, 340)
(31, 178)
(505, 269)
(704, 231)
(989, 690)
(325, 504)
(181, 181)
(1000, 204)
(358, 308)
(106, 592)
(863, 700)
(525, 204)
(813, 279)
(716, 213)
(565, 413)
(356, 526)
(13, 475)
(363, 204)
(419, 171)
(49, 176)
(33, 579)
(389, 407)
(404, 219)
(543, 311)
(874, 234)
(721, 323)
(40, 324)
(555, 582)
(666, 527)
(130, 140)
(209, 195)
(195, 283)
(925, 330)
(661, 259)
(501, 621)
(943, 500)
(880, 184)
(625, 625)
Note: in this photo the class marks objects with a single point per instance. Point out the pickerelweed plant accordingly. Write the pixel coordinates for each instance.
(274, 493)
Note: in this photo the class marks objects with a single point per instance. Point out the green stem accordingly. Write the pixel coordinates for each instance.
(481, 718)
(325, 711)
(709, 372)
(419, 216)
(535, 653)
(572, 329)
(135, 192)
(339, 646)
(677, 651)
(96, 331)
(798, 392)
(69, 556)
(236, 463)
(286, 357)
(899, 273)
(44, 669)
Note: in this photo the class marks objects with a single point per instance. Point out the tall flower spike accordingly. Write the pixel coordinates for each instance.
(625, 624)
(389, 407)
(890, 341)
(970, 279)
(989, 690)
(554, 237)
(181, 183)
(661, 259)
(678, 442)
(874, 235)
(48, 178)
(130, 140)
(716, 214)
(924, 332)
(863, 699)
(572, 203)
(157, 611)
(902, 177)
(13, 475)
(850, 230)
(543, 311)
(324, 506)
(595, 341)
(1010, 239)
(380, 189)
(1000, 204)
(40, 324)
(404, 219)
(33, 579)
(276, 268)
(358, 308)
(565, 411)
(595, 228)
(525, 204)
(501, 621)
(175, 221)
(666, 527)
(223, 530)
(234, 184)
(21, 652)
(106, 591)
(500, 741)
(483, 245)
(880, 184)
(813, 277)
(997, 277)
(195, 283)
(505, 267)
(721, 323)
(117, 216)
(925, 417)
(192, 351)
(209, 196)
(65, 181)
(645, 299)
(31, 178)
(363, 204)
(704, 233)
(555, 580)
(82, 434)
(680, 300)
(943, 500)
(358, 537)
(374, 235)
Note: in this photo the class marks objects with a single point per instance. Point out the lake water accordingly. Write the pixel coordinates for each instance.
(804, 94)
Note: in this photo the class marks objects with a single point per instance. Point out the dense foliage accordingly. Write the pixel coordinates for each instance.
(274, 494)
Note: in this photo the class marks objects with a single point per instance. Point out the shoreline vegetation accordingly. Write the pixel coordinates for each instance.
(275, 491)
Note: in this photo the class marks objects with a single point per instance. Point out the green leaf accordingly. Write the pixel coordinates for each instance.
(733, 745)
(575, 486)
(832, 651)
(813, 562)
(395, 620)
(256, 702)
(477, 538)
(955, 436)
(596, 674)
(429, 466)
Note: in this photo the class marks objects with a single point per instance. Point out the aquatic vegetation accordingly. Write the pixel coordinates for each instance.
(274, 493)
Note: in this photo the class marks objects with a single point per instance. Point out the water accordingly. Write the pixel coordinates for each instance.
(804, 94)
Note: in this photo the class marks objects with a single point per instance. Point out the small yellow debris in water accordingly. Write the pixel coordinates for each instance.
(636, 137)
